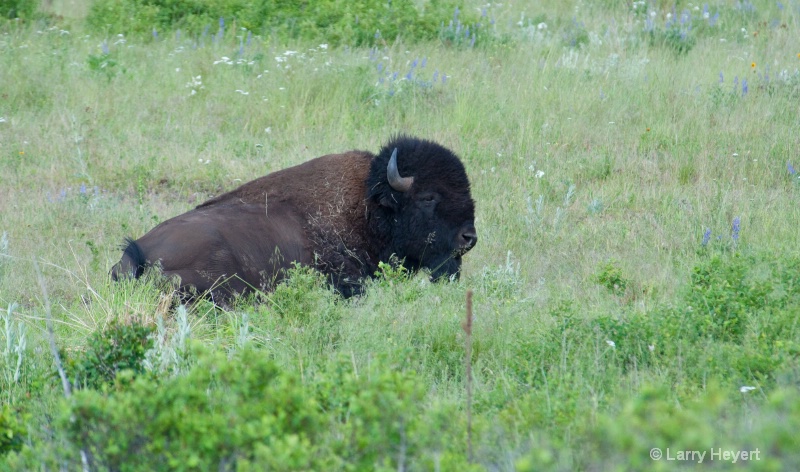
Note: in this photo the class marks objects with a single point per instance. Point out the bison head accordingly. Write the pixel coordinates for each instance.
(419, 206)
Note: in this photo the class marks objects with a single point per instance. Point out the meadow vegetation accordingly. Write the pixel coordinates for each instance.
(636, 281)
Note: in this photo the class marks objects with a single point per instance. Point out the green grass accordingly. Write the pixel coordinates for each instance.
(598, 158)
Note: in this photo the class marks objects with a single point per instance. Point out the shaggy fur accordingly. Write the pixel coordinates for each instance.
(336, 213)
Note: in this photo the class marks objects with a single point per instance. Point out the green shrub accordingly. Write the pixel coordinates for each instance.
(23, 9)
(332, 21)
(12, 430)
(222, 414)
(110, 351)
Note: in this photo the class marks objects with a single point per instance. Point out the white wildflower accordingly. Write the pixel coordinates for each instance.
(268, 129)
(323, 46)
(611, 343)
(541, 26)
(746, 388)
(539, 174)
(651, 347)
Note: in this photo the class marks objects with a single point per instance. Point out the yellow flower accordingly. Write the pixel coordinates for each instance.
(752, 65)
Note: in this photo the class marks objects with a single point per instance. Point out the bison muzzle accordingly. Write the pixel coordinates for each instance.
(339, 213)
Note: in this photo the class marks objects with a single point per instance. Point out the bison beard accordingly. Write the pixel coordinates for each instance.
(340, 213)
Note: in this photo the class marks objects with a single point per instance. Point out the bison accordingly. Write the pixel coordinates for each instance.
(340, 213)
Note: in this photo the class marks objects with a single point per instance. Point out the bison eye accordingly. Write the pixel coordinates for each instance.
(428, 198)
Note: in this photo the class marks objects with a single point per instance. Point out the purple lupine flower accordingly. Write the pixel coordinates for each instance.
(408, 76)
(648, 24)
(706, 236)
(780, 6)
(414, 64)
(83, 189)
(435, 76)
(735, 83)
(444, 77)
(104, 47)
(483, 12)
(380, 66)
(424, 62)
(221, 23)
(790, 168)
(378, 34)
(721, 78)
(249, 38)
(63, 194)
(685, 17)
(744, 87)
(394, 76)
(155, 34)
(735, 229)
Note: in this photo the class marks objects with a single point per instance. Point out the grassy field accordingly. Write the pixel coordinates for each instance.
(636, 281)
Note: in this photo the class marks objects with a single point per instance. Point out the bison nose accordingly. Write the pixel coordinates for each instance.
(467, 238)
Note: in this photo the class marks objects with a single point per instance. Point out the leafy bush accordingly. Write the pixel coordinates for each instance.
(333, 21)
(12, 430)
(110, 351)
(221, 414)
(23, 9)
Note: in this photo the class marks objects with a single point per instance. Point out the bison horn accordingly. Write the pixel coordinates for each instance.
(401, 184)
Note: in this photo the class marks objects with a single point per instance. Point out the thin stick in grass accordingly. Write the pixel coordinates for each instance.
(51, 337)
(468, 362)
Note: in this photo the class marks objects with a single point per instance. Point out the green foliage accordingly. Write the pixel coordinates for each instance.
(12, 430)
(222, 413)
(103, 64)
(724, 291)
(302, 295)
(610, 276)
(108, 352)
(23, 9)
(331, 21)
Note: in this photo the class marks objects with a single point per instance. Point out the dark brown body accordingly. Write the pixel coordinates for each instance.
(320, 213)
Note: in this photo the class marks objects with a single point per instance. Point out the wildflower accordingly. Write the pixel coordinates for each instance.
(721, 77)
(2, 120)
(651, 347)
(706, 236)
(155, 34)
(541, 26)
(746, 388)
(323, 46)
(735, 229)
(104, 47)
(539, 174)
(744, 87)
(611, 343)
(790, 168)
